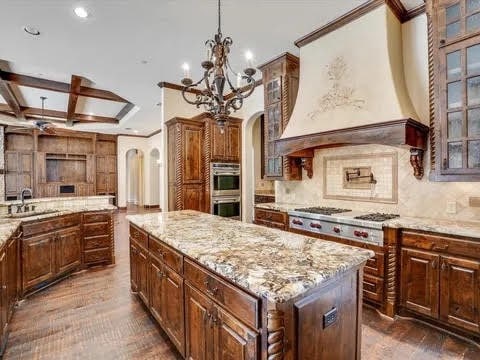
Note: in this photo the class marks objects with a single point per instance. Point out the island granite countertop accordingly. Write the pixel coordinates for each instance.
(270, 263)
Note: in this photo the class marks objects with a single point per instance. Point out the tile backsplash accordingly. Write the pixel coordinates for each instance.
(419, 198)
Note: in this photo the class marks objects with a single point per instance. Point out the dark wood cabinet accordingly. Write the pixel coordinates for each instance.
(280, 79)
(455, 39)
(38, 260)
(3, 298)
(440, 279)
(45, 162)
(133, 266)
(68, 250)
(232, 339)
(18, 172)
(186, 165)
(460, 292)
(271, 218)
(226, 142)
(420, 282)
(98, 238)
(199, 332)
(157, 297)
(12, 251)
(142, 275)
(173, 307)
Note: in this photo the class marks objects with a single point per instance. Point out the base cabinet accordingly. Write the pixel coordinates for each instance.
(441, 281)
(3, 298)
(38, 261)
(68, 250)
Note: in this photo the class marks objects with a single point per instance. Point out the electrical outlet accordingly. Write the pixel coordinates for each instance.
(330, 317)
(451, 207)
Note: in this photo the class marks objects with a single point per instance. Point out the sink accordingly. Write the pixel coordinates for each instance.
(30, 213)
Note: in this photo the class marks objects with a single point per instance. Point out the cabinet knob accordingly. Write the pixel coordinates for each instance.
(444, 266)
(434, 264)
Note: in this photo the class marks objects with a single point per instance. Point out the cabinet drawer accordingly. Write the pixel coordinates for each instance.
(98, 255)
(440, 243)
(96, 229)
(139, 236)
(376, 265)
(166, 254)
(47, 225)
(244, 306)
(96, 242)
(270, 215)
(372, 288)
(96, 217)
(270, 224)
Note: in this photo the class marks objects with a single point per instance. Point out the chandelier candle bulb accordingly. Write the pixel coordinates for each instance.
(239, 80)
(249, 58)
(186, 70)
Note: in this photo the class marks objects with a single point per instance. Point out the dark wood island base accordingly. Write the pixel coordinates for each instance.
(208, 316)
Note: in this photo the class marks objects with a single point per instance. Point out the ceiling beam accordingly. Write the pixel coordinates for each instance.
(125, 110)
(10, 98)
(38, 83)
(75, 84)
(37, 113)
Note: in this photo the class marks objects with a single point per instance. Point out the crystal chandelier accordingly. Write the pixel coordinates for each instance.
(217, 77)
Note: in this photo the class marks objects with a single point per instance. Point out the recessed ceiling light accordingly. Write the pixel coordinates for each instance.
(128, 128)
(31, 30)
(81, 12)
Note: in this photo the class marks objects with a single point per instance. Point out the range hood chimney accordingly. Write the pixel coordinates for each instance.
(352, 91)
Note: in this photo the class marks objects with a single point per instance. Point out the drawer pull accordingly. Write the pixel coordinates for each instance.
(210, 291)
(444, 266)
(440, 247)
(434, 264)
(160, 274)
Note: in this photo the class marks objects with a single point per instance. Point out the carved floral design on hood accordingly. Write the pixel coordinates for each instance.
(339, 95)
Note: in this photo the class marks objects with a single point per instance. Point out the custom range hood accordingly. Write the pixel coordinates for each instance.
(353, 90)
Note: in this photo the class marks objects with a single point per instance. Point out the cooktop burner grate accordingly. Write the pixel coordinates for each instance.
(322, 210)
(377, 217)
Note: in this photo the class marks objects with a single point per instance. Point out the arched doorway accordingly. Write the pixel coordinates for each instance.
(252, 163)
(154, 177)
(135, 177)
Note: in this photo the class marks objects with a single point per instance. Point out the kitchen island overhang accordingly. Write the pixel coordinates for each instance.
(265, 293)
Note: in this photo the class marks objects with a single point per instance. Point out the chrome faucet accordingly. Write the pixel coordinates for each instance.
(22, 194)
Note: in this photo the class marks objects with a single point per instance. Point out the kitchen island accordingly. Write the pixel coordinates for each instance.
(225, 289)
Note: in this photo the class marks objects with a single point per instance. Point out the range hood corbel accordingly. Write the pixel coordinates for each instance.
(399, 133)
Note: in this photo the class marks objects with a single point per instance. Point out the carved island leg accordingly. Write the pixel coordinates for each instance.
(416, 160)
(276, 333)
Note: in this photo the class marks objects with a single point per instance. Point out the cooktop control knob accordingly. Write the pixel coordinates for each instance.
(357, 233)
(336, 229)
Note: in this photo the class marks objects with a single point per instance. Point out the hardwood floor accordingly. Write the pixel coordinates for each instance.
(93, 315)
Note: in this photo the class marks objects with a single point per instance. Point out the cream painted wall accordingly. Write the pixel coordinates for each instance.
(420, 198)
(251, 110)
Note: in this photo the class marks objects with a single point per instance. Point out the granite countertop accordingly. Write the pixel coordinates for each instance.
(7, 228)
(52, 199)
(449, 227)
(272, 263)
(9, 225)
(280, 206)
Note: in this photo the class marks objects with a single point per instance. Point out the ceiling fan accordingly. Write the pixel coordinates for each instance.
(42, 124)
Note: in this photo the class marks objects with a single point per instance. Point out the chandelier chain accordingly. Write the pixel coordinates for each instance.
(219, 18)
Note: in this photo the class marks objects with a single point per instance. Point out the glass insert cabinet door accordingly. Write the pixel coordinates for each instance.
(459, 49)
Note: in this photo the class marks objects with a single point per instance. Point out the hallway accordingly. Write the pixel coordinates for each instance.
(93, 315)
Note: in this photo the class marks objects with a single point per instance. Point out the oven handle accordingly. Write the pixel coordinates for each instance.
(227, 173)
(223, 201)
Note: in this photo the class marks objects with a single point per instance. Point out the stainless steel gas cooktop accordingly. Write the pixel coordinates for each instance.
(354, 225)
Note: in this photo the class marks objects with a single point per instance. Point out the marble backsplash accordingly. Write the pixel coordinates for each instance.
(417, 198)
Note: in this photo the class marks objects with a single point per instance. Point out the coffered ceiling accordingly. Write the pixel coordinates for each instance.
(128, 46)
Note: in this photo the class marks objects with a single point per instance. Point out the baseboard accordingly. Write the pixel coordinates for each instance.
(122, 208)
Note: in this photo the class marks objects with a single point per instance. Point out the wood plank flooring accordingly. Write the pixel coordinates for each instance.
(93, 315)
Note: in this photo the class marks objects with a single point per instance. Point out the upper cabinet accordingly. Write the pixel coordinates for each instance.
(280, 80)
(225, 143)
(455, 56)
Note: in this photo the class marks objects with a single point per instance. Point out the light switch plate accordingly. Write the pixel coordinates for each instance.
(474, 201)
(451, 207)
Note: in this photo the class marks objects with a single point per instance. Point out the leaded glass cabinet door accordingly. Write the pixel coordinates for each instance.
(459, 70)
